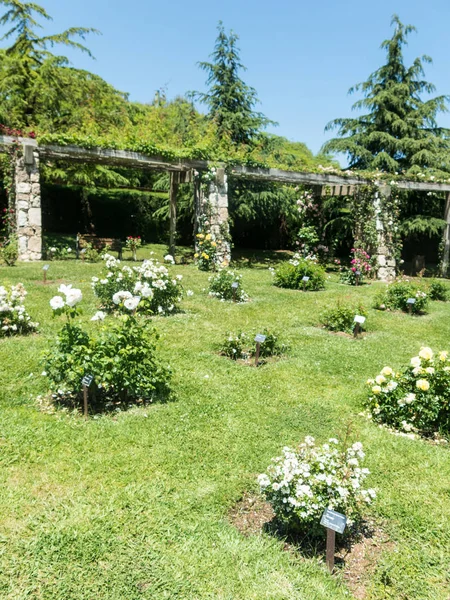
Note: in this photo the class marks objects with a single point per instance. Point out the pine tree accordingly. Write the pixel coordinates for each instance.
(399, 131)
(32, 78)
(230, 100)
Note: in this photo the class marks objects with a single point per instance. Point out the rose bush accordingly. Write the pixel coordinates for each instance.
(416, 398)
(396, 296)
(159, 293)
(14, 319)
(290, 274)
(221, 286)
(305, 481)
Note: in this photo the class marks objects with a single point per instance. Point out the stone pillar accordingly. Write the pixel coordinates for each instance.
(446, 240)
(215, 205)
(28, 204)
(385, 248)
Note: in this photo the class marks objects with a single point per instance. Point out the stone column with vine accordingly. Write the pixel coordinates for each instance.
(385, 204)
(27, 192)
(212, 206)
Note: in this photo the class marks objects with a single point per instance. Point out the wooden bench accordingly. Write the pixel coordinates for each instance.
(98, 243)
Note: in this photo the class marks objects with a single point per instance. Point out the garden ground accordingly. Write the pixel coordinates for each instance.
(136, 505)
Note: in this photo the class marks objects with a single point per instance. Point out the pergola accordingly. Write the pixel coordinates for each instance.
(28, 191)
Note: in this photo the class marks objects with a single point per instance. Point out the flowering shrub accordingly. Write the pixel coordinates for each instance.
(438, 290)
(59, 253)
(396, 295)
(416, 399)
(220, 286)
(151, 282)
(206, 246)
(361, 263)
(242, 345)
(303, 482)
(122, 360)
(234, 346)
(14, 319)
(9, 250)
(133, 243)
(342, 316)
(290, 274)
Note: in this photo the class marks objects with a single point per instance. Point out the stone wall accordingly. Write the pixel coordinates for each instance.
(386, 264)
(28, 205)
(215, 205)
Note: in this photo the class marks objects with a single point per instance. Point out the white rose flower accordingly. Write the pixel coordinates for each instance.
(99, 316)
(57, 302)
(426, 353)
(132, 303)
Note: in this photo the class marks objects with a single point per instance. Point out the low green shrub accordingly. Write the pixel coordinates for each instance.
(122, 360)
(416, 399)
(397, 294)
(290, 274)
(438, 290)
(221, 286)
(303, 482)
(242, 345)
(342, 317)
(9, 250)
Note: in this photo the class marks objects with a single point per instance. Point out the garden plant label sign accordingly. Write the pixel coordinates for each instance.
(235, 285)
(305, 279)
(87, 380)
(359, 319)
(334, 520)
(411, 301)
(46, 267)
(260, 339)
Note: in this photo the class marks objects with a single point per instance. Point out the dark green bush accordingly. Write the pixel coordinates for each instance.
(290, 275)
(438, 290)
(342, 317)
(396, 295)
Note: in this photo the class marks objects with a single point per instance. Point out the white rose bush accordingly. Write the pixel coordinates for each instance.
(122, 357)
(14, 319)
(303, 482)
(151, 282)
(416, 399)
(221, 286)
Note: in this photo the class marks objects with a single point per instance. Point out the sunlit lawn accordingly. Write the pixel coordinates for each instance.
(135, 506)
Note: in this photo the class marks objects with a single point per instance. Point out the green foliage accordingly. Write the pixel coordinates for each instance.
(397, 294)
(417, 399)
(341, 317)
(221, 286)
(438, 290)
(399, 130)
(122, 359)
(290, 275)
(242, 345)
(9, 250)
(234, 346)
(230, 101)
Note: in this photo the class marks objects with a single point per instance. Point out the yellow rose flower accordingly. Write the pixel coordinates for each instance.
(200, 236)
(423, 385)
(443, 356)
(426, 353)
(208, 237)
(376, 389)
(213, 244)
(206, 256)
(196, 255)
(387, 371)
(380, 379)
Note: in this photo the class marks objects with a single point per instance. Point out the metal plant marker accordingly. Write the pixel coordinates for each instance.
(410, 302)
(234, 286)
(305, 280)
(333, 522)
(45, 268)
(86, 381)
(259, 339)
(359, 320)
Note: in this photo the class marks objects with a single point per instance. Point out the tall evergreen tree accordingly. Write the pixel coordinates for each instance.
(398, 131)
(230, 100)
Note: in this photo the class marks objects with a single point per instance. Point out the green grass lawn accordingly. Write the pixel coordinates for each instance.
(135, 505)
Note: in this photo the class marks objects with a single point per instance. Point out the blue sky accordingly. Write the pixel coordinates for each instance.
(301, 57)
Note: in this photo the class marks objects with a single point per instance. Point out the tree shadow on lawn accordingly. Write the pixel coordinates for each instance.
(258, 259)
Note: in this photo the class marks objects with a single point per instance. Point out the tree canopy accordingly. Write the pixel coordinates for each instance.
(398, 131)
(229, 99)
